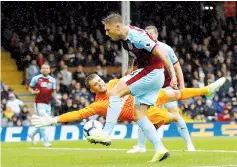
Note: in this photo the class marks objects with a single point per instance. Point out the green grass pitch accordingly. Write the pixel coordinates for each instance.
(214, 152)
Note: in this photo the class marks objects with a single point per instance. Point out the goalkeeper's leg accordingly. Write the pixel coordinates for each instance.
(186, 93)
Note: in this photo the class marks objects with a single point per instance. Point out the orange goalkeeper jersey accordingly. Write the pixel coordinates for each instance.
(101, 104)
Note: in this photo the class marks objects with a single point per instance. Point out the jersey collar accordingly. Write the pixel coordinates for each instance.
(44, 76)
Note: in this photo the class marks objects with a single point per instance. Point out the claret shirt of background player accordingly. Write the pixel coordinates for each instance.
(46, 86)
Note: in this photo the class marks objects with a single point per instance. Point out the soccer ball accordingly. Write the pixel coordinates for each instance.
(91, 126)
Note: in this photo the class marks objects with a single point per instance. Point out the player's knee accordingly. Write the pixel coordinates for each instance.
(113, 93)
(119, 92)
(135, 118)
(173, 110)
(173, 117)
(177, 94)
(174, 114)
(140, 115)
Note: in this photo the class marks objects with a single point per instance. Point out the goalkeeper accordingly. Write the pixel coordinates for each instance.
(157, 115)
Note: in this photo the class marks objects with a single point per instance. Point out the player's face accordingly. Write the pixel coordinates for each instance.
(113, 31)
(45, 70)
(152, 33)
(97, 85)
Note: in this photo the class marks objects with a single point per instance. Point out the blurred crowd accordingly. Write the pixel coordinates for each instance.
(73, 36)
(206, 45)
(13, 111)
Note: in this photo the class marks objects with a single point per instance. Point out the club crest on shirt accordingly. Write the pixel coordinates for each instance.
(148, 44)
(43, 84)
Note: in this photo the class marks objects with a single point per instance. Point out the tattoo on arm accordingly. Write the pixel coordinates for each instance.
(130, 61)
(171, 71)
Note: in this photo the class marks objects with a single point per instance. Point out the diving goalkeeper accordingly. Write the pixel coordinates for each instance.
(157, 114)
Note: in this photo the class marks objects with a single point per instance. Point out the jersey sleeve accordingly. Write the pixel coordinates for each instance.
(93, 109)
(145, 42)
(33, 82)
(54, 84)
(172, 56)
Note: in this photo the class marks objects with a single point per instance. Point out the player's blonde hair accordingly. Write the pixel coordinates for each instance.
(151, 27)
(113, 18)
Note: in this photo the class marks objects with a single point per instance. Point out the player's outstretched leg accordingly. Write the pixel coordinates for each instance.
(140, 147)
(186, 93)
(209, 90)
(215, 86)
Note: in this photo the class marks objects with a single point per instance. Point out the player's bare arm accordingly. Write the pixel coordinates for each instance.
(169, 66)
(99, 108)
(179, 75)
(131, 60)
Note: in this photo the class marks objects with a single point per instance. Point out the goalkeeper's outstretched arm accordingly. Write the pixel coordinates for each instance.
(93, 109)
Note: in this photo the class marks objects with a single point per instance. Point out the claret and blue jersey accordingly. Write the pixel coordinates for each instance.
(140, 45)
(46, 86)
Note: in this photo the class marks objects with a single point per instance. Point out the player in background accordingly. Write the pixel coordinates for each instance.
(158, 116)
(171, 106)
(143, 84)
(43, 87)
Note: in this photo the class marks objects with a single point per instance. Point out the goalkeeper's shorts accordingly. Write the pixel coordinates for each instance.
(158, 116)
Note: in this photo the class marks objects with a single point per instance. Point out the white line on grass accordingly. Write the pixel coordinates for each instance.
(215, 166)
(121, 149)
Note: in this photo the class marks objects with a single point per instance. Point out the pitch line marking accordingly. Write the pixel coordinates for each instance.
(215, 166)
(121, 149)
